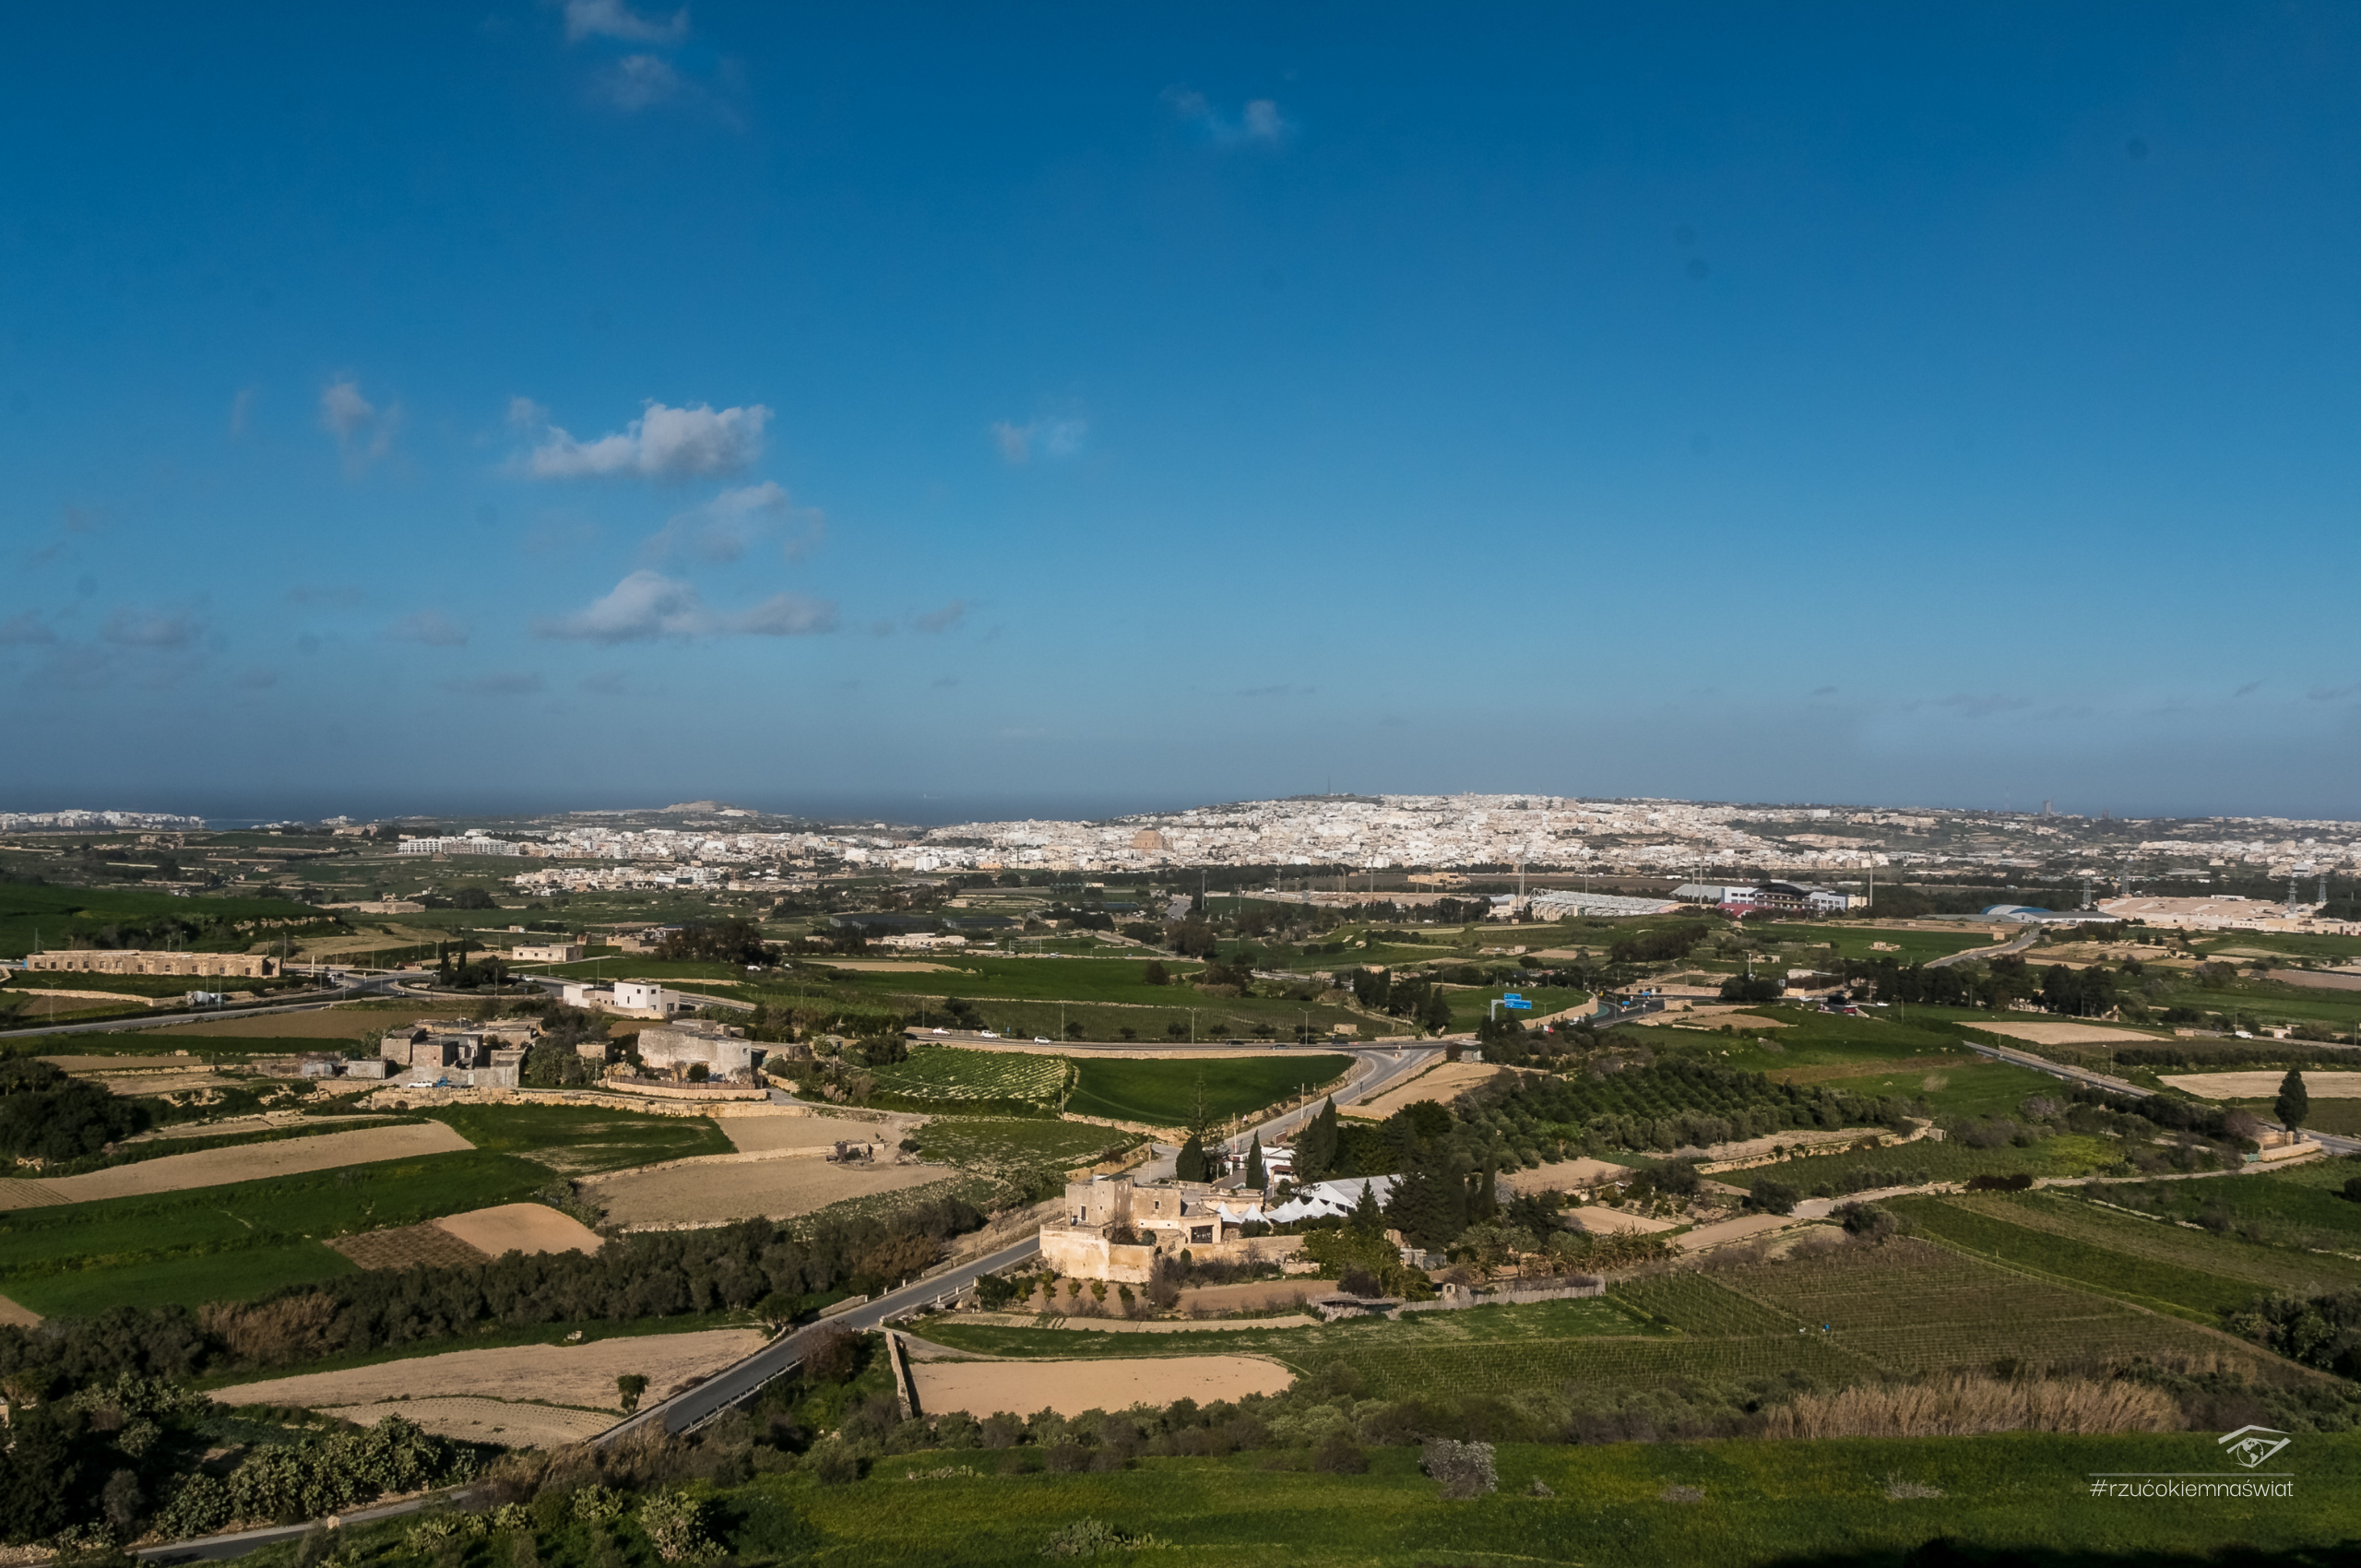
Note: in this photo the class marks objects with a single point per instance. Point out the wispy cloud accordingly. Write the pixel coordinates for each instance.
(431, 628)
(343, 596)
(241, 408)
(1049, 437)
(494, 683)
(24, 628)
(733, 522)
(636, 82)
(256, 680)
(131, 626)
(2333, 694)
(662, 443)
(648, 606)
(2247, 690)
(612, 19)
(604, 684)
(364, 432)
(941, 620)
(1259, 122)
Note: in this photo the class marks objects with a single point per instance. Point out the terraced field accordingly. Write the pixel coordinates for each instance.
(950, 1077)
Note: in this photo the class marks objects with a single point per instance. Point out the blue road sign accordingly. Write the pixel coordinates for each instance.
(1516, 1002)
(1511, 996)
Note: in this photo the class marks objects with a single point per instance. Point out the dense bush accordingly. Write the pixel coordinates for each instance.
(46, 1115)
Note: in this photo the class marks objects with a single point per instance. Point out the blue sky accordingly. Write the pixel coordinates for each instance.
(936, 410)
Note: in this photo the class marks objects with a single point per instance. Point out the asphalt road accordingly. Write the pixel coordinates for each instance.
(736, 1384)
(2018, 944)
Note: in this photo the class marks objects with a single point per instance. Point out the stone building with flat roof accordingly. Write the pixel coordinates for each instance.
(133, 961)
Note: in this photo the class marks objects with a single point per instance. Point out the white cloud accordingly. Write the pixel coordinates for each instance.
(364, 432)
(1050, 437)
(725, 528)
(526, 414)
(664, 443)
(649, 605)
(786, 615)
(636, 82)
(941, 620)
(613, 18)
(429, 626)
(25, 627)
(133, 627)
(242, 407)
(1258, 124)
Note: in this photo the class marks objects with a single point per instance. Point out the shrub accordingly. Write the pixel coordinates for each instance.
(1465, 1470)
(1337, 1455)
(836, 1464)
(1774, 1197)
(675, 1525)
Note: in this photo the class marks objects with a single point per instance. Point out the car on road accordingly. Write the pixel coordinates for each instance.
(942, 1031)
(1042, 1040)
(986, 1034)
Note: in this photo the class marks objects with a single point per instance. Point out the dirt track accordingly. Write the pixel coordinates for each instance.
(2263, 1085)
(980, 1389)
(243, 1162)
(2067, 1034)
(1442, 1084)
(582, 1375)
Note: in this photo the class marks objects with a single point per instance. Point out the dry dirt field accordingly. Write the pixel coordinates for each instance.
(581, 1375)
(1740, 1230)
(764, 1135)
(1442, 1084)
(406, 1246)
(1712, 1017)
(327, 1023)
(2263, 1085)
(487, 1420)
(520, 1228)
(2067, 1034)
(1562, 1176)
(2319, 978)
(1605, 1221)
(776, 1189)
(247, 1162)
(982, 1388)
(16, 1316)
(894, 965)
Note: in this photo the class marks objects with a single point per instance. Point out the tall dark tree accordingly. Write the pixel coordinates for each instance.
(1366, 1218)
(1436, 1014)
(1256, 1178)
(1190, 1166)
(1315, 1146)
(2294, 1105)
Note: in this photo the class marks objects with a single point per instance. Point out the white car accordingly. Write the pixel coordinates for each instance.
(942, 1031)
(987, 1035)
(1041, 1040)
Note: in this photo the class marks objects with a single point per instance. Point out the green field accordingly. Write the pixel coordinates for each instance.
(1862, 943)
(2068, 1154)
(52, 915)
(150, 1244)
(1165, 1093)
(946, 1076)
(2191, 1274)
(982, 1143)
(1760, 1503)
(578, 1139)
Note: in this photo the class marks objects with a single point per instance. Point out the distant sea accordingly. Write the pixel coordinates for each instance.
(922, 811)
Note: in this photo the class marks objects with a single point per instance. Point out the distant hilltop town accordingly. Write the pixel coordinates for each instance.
(97, 821)
(1347, 834)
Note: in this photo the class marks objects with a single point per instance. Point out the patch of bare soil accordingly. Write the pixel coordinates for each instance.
(326, 1023)
(580, 1375)
(520, 1228)
(15, 1316)
(2263, 1085)
(248, 1162)
(487, 1420)
(980, 1389)
(1712, 1017)
(1601, 1222)
(407, 1246)
(2067, 1034)
(1442, 1084)
(776, 1189)
(762, 1134)
(1563, 1176)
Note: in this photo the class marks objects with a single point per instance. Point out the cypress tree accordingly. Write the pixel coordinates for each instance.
(1488, 1197)
(1366, 1216)
(2294, 1104)
(1315, 1146)
(1190, 1164)
(1254, 1176)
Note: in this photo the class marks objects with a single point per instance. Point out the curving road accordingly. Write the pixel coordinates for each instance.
(734, 1384)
